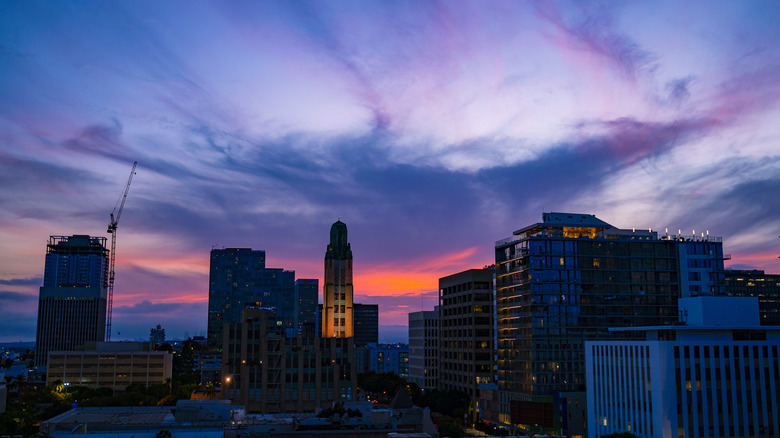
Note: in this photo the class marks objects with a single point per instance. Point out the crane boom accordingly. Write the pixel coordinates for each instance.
(112, 260)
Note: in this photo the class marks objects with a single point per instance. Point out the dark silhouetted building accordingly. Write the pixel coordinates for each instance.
(337, 300)
(571, 277)
(238, 278)
(756, 283)
(466, 331)
(268, 371)
(157, 335)
(306, 292)
(271, 366)
(366, 324)
(72, 301)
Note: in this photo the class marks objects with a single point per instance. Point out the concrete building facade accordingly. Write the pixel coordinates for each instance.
(266, 371)
(424, 348)
(466, 331)
(715, 374)
(113, 365)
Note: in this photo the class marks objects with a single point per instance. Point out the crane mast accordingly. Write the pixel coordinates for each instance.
(112, 257)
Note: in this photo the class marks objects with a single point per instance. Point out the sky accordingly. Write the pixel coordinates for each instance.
(432, 129)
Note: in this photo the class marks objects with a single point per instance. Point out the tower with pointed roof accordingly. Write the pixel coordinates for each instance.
(337, 307)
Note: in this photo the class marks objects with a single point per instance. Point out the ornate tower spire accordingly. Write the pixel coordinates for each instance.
(337, 307)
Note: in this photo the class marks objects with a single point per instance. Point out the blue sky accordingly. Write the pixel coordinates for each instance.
(432, 129)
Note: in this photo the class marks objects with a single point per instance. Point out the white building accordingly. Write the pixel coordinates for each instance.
(715, 374)
(424, 348)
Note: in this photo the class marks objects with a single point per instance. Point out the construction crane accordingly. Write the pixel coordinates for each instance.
(112, 261)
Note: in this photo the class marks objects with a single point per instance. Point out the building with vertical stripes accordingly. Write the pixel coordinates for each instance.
(424, 348)
(337, 299)
(715, 374)
(114, 365)
(72, 300)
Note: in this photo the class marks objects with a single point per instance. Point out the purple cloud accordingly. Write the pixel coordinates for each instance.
(35, 281)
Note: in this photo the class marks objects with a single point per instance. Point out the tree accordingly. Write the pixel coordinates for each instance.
(211, 391)
(18, 419)
(384, 383)
(338, 409)
(450, 430)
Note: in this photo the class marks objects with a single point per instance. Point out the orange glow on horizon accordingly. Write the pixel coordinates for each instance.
(167, 265)
(414, 275)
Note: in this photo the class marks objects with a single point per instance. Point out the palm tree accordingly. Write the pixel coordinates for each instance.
(211, 391)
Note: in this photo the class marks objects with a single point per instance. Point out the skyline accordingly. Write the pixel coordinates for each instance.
(431, 129)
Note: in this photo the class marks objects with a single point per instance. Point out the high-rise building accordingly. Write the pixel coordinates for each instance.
(268, 371)
(366, 324)
(568, 279)
(466, 331)
(424, 348)
(756, 283)
(306, 292)
(270, 367)
(337, 300)
(238, 277)
(713, 374)
(72, 301)
(157, 335)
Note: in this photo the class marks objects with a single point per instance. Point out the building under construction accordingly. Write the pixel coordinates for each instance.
(72, 301)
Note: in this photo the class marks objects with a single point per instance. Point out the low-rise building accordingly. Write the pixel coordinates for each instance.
(110, 364)
(383, 358)
(189, 418)
(714, 374)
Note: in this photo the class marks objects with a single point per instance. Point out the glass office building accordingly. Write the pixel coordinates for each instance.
(72, 301)
(568, 279)
(238, 278)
